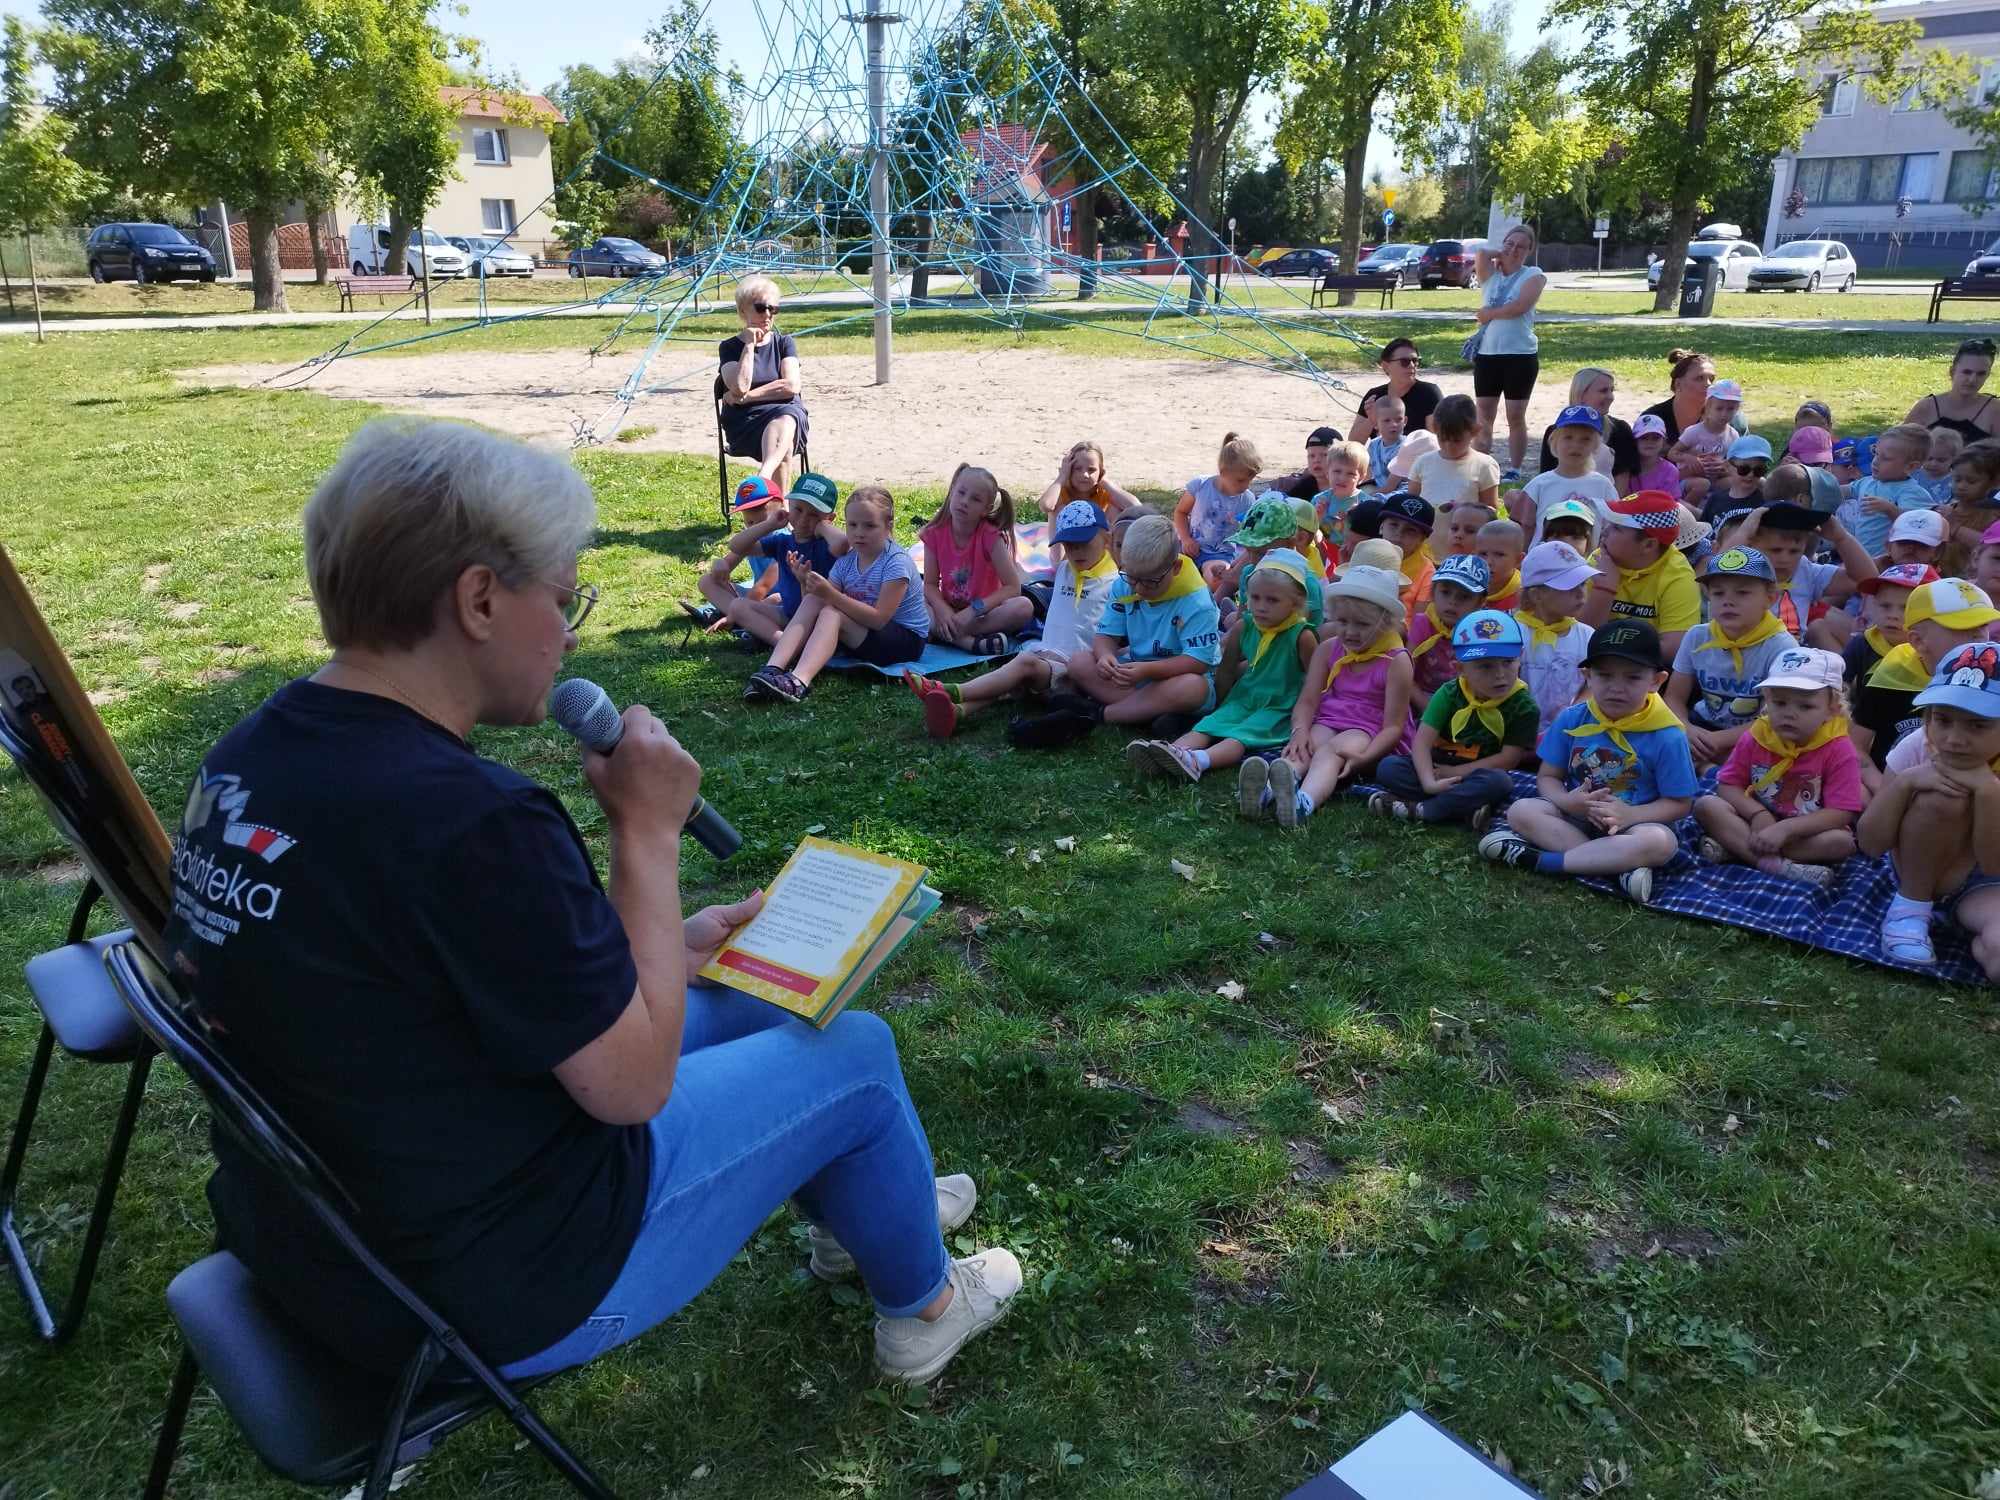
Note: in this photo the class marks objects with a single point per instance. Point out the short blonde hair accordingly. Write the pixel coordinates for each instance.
(750, 288)
(410, 505)
(1353, 452)
(1149, 545)
(1913, 437)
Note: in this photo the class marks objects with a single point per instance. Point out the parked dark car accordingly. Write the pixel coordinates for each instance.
(1985, 263)
(146, 252)
(614, 256)
(1447, 263)
(1393, 260)
(1308, 262)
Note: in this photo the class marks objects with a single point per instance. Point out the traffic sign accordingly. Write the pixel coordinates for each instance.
(1388, 197)
(1601, 230)
(1066, 210)
(1388, 218)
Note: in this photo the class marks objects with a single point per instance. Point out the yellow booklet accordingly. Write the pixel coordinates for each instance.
(834, 916)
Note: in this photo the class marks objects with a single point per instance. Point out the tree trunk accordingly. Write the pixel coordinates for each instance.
(35, 287)
(1084, 215)
(1353, 205)
(267, 276)
(1687, 192)
(316, 228)
(1204, 154)
(8, 281)
(920, 273)
(400, 225)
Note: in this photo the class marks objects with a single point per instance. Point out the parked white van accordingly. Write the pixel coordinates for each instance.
(368, 248)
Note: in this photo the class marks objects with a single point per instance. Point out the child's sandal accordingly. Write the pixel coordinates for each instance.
(994, 644)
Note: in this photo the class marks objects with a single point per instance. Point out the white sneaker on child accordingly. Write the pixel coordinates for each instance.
(956, 1198)
(1284, 793)
(1253, 786)
(1637, 884)
(982, 1285)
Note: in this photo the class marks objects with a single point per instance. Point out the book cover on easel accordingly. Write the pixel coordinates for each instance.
(832, 918)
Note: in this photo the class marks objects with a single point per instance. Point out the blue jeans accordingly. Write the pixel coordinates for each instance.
(1456, 803)
(765, 1108)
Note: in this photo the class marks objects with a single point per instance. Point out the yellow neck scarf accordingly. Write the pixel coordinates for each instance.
(1762, 732)
(1104, 567)
(1265, 638)
(1438, 636)
(1506, 590)
(1900, 671)
(1767, 626)
(1540, 633)
(1486, 709)
(1384, 643)
(1650, 715)
(1881, 643)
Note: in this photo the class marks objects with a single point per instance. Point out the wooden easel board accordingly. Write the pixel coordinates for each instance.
(131, 856)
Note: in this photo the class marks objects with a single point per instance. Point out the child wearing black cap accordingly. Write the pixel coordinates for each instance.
(1303, 484)
(1407, 521)
(1615, 774)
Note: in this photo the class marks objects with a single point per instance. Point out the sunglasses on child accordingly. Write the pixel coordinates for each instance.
(1751, 471)
(765, 307)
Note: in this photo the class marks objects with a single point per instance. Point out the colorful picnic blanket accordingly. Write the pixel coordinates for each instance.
(937, 658)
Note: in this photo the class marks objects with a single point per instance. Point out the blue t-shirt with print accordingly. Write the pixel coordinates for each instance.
(1725, 698)
(780, 545)
(866, 584)
(1659, 766)
(1154, 630)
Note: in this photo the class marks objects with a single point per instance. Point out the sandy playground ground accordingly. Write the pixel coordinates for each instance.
(1015, 410)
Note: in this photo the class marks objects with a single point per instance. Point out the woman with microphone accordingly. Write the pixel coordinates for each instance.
(406, 948)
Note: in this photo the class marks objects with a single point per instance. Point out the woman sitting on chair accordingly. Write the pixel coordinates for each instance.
(549, 1129)
(763, 410)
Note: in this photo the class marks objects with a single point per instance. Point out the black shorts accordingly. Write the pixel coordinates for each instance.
(887, 646)
(1508, 375)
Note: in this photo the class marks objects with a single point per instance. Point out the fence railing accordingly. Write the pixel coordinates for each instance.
(58, 252)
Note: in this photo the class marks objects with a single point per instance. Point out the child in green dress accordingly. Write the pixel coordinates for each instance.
(1264, 659)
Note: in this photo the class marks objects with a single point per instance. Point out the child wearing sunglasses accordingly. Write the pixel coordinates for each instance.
(1742, 488)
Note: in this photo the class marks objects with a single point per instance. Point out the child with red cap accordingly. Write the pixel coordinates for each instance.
(1882, 601)
(1643, 576)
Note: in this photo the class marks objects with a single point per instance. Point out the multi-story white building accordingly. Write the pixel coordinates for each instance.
(1897, 182)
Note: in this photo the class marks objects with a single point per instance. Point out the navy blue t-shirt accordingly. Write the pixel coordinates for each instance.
(396, 941)
(779, 545)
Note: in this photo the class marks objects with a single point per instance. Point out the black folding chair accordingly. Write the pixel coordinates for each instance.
(308, 1414)
(722, 455)
(82, 1014)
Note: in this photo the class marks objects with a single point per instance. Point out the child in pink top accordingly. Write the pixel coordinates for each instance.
(972, 583)
(1789, 793)
(1655, 472)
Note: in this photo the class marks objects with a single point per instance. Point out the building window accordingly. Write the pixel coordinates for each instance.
(489, 146)
(497, 215)
(1911, 100)
(1833, 181)
(1989, 81)
(1836, 95)
(1972, 179)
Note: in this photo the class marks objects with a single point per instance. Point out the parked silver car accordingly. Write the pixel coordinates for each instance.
(1737, 257)
(1806, 266)
(491, 257)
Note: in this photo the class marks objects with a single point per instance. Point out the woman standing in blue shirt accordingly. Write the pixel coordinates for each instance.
(1508, 362)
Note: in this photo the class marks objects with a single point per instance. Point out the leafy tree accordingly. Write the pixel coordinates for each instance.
(239, 99)
(1214, 58)
(1546, 143)
(1365, 52)
(1694, 91)
(406, 144)
(1474, 114)
(583, 209)
(39, 185)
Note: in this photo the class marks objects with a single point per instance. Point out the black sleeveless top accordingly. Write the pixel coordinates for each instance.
(1966, 427)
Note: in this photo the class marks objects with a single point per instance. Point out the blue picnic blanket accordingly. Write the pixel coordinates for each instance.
(1845, 918)
(937, 658)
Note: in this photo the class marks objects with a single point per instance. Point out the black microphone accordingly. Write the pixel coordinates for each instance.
(586, 713)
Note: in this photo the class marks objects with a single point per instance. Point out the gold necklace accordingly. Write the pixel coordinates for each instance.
(398, 689)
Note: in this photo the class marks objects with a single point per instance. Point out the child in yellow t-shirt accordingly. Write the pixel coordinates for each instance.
(1645, 578)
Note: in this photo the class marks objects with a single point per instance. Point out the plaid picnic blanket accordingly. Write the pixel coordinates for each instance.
(1845, 918)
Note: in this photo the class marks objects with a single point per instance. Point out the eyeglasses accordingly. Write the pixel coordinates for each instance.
(1404, 359)
(1754, 471)
(582, 601)
(766, 307)
(1148, 581)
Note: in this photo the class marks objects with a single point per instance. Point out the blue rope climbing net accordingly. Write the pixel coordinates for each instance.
(987, 135)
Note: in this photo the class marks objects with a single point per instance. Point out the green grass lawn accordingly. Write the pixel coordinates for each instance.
(1678, 1203)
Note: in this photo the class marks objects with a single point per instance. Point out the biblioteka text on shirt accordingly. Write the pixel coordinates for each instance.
(205, 891)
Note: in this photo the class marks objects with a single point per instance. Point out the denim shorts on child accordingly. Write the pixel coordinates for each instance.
(1207, 555)
(1947, 905)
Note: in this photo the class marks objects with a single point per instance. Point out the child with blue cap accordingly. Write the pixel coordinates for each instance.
(1939, 819)
(1719, 663)
(1573, 442)
(1477, 729)
(1076, 602)
(1742, 488)
(1458, 587)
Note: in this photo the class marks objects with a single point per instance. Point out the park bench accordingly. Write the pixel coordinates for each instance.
(1384, 282)
(351, 287)
(1963, 289)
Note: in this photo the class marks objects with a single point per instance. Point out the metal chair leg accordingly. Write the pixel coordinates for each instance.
(10, 1179)
(416, 1375)
(169, 1446)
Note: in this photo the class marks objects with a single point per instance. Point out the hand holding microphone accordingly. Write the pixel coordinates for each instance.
(586, 712)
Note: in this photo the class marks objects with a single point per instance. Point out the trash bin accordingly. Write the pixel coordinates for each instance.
(1698, 286)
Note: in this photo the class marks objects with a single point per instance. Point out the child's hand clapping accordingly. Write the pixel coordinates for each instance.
(811, 581)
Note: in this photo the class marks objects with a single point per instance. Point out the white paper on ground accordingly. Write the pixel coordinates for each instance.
(1413, 1459)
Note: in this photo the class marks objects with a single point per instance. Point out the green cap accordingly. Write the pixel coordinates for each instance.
(817, 491)
(1267, 523)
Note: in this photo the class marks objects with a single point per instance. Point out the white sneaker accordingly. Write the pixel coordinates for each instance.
(956, 1198)
(1818, 876)
(1638, 885)
(981, 1287)
(1253, 787)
